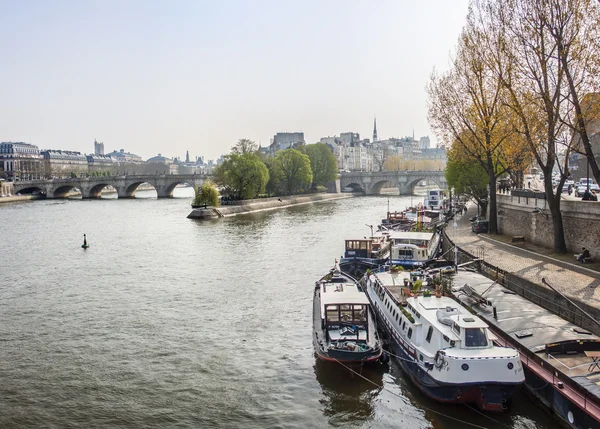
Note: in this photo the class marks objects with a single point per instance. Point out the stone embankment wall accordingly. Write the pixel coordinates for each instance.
(249, 206)
(581, 222)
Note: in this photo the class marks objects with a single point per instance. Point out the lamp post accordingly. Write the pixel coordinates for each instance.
(588, 175)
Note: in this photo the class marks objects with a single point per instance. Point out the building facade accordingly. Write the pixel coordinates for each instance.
(20, 161)
(283, 141)
(103, 164)
(60, 164)
(125, 157)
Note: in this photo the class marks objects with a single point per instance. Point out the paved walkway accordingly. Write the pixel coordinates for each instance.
(572, 280)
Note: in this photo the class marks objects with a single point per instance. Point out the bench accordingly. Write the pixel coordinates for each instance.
(517, 238)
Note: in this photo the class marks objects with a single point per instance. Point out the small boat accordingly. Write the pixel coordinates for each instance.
(414, 249)
(344, 327)
(365, 253)
(447, 352)
(436, 200)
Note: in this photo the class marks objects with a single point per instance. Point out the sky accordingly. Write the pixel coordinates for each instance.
(164, 77)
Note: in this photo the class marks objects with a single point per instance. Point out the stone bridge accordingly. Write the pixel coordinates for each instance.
(91, 187)
(405, 181)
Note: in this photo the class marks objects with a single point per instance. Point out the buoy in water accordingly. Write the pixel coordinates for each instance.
(85, 245)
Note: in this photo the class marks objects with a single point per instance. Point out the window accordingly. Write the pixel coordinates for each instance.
(429, 334)
(456, 328)
(475, 337)
(409, 332)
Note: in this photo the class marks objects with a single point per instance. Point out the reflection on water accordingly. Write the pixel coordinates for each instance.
(348, 397)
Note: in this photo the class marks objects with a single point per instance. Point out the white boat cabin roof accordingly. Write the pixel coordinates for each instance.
(342, 293)
(408, 235)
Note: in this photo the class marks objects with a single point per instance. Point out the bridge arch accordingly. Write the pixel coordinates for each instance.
(130, 189)
(376, 186)
(96, 190)
(167, 191)
(356, 187)
(63, 191)
(33, 190)
(410, 186)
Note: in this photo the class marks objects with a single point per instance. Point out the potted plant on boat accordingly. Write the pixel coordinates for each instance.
(395, 269)
(417, 286)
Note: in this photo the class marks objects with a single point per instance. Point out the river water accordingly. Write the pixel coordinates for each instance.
(171, 322)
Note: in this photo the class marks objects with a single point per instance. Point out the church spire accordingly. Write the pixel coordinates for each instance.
(375, 129)
(187, 156)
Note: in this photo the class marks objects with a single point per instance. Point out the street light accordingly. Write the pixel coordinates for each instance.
(370, 226)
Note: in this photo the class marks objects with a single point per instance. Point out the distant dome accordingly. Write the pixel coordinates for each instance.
(160, 159)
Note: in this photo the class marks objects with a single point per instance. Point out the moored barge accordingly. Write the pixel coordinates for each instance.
(557, 356)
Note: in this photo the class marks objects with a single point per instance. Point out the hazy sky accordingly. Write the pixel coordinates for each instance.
(171, 76)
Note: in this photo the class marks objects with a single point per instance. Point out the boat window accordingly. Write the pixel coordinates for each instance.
(429, 334)
(404, 324)
(332, 313)
(456, 328)
(346, 313)
(446, 338)
(409, 332)
(420, 357)
(475, 337)
(405, 252)
(360, 313)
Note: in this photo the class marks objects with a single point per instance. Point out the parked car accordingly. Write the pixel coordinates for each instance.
(583, 186)
(479, 226)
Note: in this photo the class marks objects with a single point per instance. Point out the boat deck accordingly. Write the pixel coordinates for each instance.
(531, 325)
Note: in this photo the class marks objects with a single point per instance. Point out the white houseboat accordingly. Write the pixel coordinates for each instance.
(413, 249)
(446, 351)
(344, 327)
(436, 200)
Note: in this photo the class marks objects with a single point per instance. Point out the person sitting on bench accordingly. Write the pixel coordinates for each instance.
(585, 254)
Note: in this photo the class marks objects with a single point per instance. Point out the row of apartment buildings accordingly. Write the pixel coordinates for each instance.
(356, 154)
(25, 161)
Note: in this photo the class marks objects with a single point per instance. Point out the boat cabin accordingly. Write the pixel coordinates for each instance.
(406, 245)
(373, 247)
(435, 199)
(344, 311)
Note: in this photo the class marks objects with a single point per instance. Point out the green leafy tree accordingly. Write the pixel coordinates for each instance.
(322, 163)
(242, 175)
(467, 176)
(292, 170)
(206, 195)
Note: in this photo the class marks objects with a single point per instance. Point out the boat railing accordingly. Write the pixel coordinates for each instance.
(569, 368)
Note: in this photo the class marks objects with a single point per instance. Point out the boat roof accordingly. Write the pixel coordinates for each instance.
(342, 293)
(411, 235)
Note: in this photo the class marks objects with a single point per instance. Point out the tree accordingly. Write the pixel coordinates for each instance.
(576, 33)
(531, 69)
(292, 170)
(467, 106)
(207, 194)
(243, 176)
(322, 163)
(394, 163)
(244, 146)
(467, 176)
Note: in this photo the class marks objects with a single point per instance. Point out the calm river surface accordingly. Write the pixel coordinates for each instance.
(169, 322)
